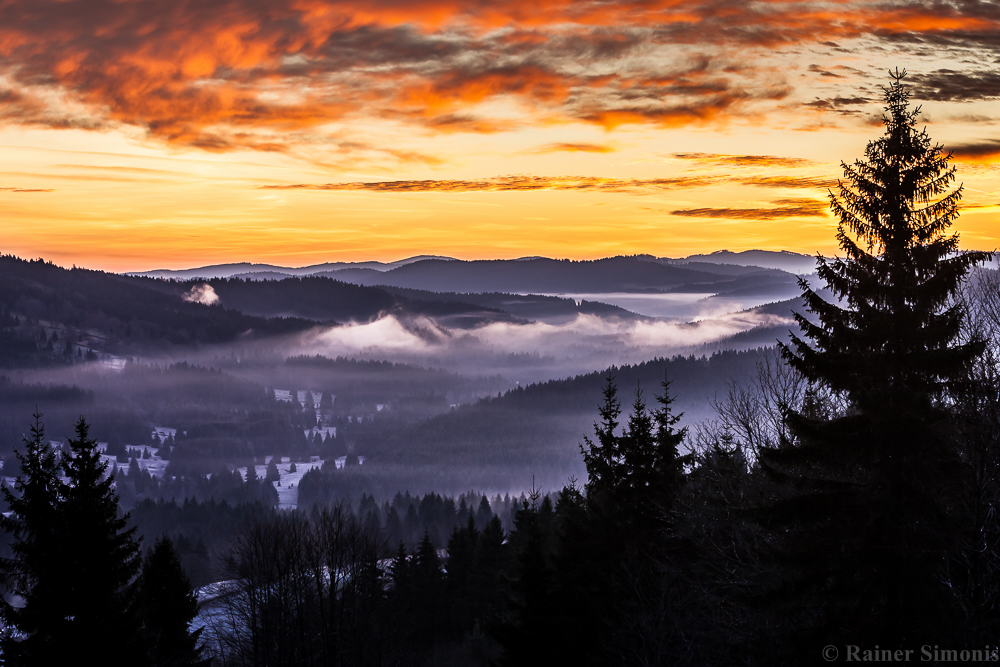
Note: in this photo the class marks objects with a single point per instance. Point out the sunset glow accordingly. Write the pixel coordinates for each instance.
(145, 134)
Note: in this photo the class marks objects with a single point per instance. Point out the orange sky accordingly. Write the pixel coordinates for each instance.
(140, 134)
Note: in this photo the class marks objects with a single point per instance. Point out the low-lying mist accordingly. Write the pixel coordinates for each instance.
(555, 350)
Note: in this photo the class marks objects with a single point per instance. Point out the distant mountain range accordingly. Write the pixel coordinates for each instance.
(636, 274)
(766, 259)
(250, 269)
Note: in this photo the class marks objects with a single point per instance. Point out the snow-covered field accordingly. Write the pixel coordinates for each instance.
(288, 485)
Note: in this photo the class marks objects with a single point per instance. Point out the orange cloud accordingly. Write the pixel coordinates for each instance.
(808, 182)
(223, 75)
(523, 182)
(573, 148)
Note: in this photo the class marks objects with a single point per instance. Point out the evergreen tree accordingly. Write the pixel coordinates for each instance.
(893, 346)
(428, 586)
(633, 477)
(167, 605)
(528, 631)
(462, 548)
(863, 509)
(484, 513)
(35, 570)
(101, 556)
(272, 474)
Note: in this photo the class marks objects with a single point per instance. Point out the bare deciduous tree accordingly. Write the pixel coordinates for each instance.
(304, 591)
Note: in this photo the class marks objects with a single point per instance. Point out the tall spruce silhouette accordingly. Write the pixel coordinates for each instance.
(101, 554)
(167, 605)
(895, 340)
(74, 560)
(35, 571)
(863, 510)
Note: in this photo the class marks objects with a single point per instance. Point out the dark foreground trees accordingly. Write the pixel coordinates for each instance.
(71, 581)
(34, 573)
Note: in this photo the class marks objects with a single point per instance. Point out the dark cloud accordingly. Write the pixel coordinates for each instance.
(783, 208)
(983, 151)
(837, 104)
(945, 85)
(511, 183)
(26, 190)
(743, 160)
(822, 72)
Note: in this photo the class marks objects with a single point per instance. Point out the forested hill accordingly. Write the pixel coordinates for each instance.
(324, 299)
(552, 276)
(693, 381)
(116, 314)
(536, 430)
(528, 306)
(42, 305)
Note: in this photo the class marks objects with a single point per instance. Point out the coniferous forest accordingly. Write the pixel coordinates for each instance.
(842, 504)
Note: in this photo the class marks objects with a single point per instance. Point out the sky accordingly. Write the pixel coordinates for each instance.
(144, 134)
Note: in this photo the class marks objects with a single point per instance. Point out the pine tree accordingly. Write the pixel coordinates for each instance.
(167, 605)
(100, 554)
(634, 477)
(862, 508)
(527, 630)
(895, 340)
(35, 570)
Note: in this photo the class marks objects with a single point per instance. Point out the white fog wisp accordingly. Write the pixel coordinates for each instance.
(203, 294)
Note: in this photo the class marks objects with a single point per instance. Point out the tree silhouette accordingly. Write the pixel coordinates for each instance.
(863, 506)
(167, 605)
(35, 571)
(895, 340)
(101, 554)
(74, 560)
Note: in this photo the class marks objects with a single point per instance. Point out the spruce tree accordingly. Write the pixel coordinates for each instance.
(35, 571)
(528, 631)
(634, 477)
(167, 605)
(895, 339)
(101, 555)
(862, 508)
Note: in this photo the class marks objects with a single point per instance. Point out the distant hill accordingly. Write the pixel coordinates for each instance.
(48, 312)
(724, 271)
(783, 260)
(323, 299)
(536, 430)
(552, 309)
(248, 269)
(551, 276)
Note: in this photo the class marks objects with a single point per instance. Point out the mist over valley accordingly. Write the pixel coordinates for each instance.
(437, 390)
